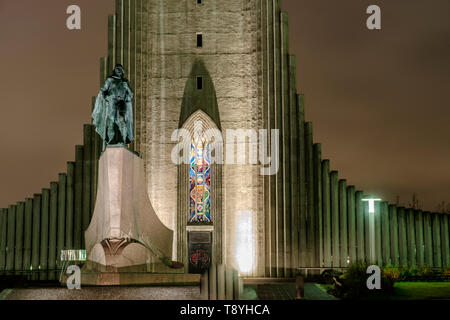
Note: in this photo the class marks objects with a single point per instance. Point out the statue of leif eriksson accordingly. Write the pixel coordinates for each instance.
(113, 112)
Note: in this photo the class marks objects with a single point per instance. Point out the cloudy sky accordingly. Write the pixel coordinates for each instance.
(378, 99)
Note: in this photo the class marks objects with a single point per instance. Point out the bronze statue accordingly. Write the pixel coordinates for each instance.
(113, 112)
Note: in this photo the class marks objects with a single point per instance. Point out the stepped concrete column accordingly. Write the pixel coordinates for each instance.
(351, 211)
(36, 238)
(411, 235)
(212, 274)
(326, 207)
(334, 177)
(359, 211)
(402, 237)
(28, 234)
(221, 282)
(18, 264)
(445, 241)
(78, 198)
(420, 239)
(385, 231)
(87, 167)
(437, 253)
(11, 237)
(311, 220)
(53, 229)
(61, 233)
(395, 256)
(3, 238)
(378, 235)
(343, 224)
(229, 284)
(302, 180)
(70, 202)
(317, 168)
(45, 218)
(428, 239)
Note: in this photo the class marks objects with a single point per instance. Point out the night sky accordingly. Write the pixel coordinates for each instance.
(378, 99)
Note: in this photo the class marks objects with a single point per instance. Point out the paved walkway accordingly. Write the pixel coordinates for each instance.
(103, 293)
(284, 291)
(269, 291)
(313, 291)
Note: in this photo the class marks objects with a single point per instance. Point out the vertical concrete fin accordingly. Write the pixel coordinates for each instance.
(303, 214)
(326, 209)
(45, 218)
(18, 263)
(53, 229)
(318, 209)
(351, 213)
(360, 235)
(343, 227)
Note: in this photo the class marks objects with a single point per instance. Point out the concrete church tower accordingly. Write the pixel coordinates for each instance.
(224, 63)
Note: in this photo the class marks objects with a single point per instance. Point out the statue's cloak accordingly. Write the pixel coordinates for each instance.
(102, 106)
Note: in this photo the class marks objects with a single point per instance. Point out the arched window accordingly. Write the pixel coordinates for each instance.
(200, 180)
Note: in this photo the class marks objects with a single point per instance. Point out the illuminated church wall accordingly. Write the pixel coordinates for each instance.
(231, 55)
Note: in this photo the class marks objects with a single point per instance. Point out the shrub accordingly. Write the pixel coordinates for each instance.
(392, 275)
(326, 277)
(353, 283)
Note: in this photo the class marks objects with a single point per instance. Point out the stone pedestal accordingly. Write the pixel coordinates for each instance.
(125, 233)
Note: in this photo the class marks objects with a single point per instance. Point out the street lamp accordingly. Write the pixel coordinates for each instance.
(372, 227)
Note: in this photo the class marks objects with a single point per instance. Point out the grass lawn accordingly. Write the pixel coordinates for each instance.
(411, 291)
(421, 291)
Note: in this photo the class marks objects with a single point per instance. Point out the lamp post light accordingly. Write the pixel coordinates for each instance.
(372, 227)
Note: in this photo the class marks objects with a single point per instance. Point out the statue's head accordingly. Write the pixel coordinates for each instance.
(119, 71)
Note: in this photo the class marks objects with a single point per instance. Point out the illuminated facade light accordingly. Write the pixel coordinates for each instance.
(245, 242)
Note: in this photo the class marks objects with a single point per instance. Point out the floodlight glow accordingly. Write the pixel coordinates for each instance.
(372, 204)
(245, 243)
(372, 227)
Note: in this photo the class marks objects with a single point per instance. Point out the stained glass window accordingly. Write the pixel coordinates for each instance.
(200, 181)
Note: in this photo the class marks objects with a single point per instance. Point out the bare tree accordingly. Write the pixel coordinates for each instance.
(443, 207)
(415, 203)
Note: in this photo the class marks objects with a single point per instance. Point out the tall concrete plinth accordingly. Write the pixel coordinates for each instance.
(125, 230)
